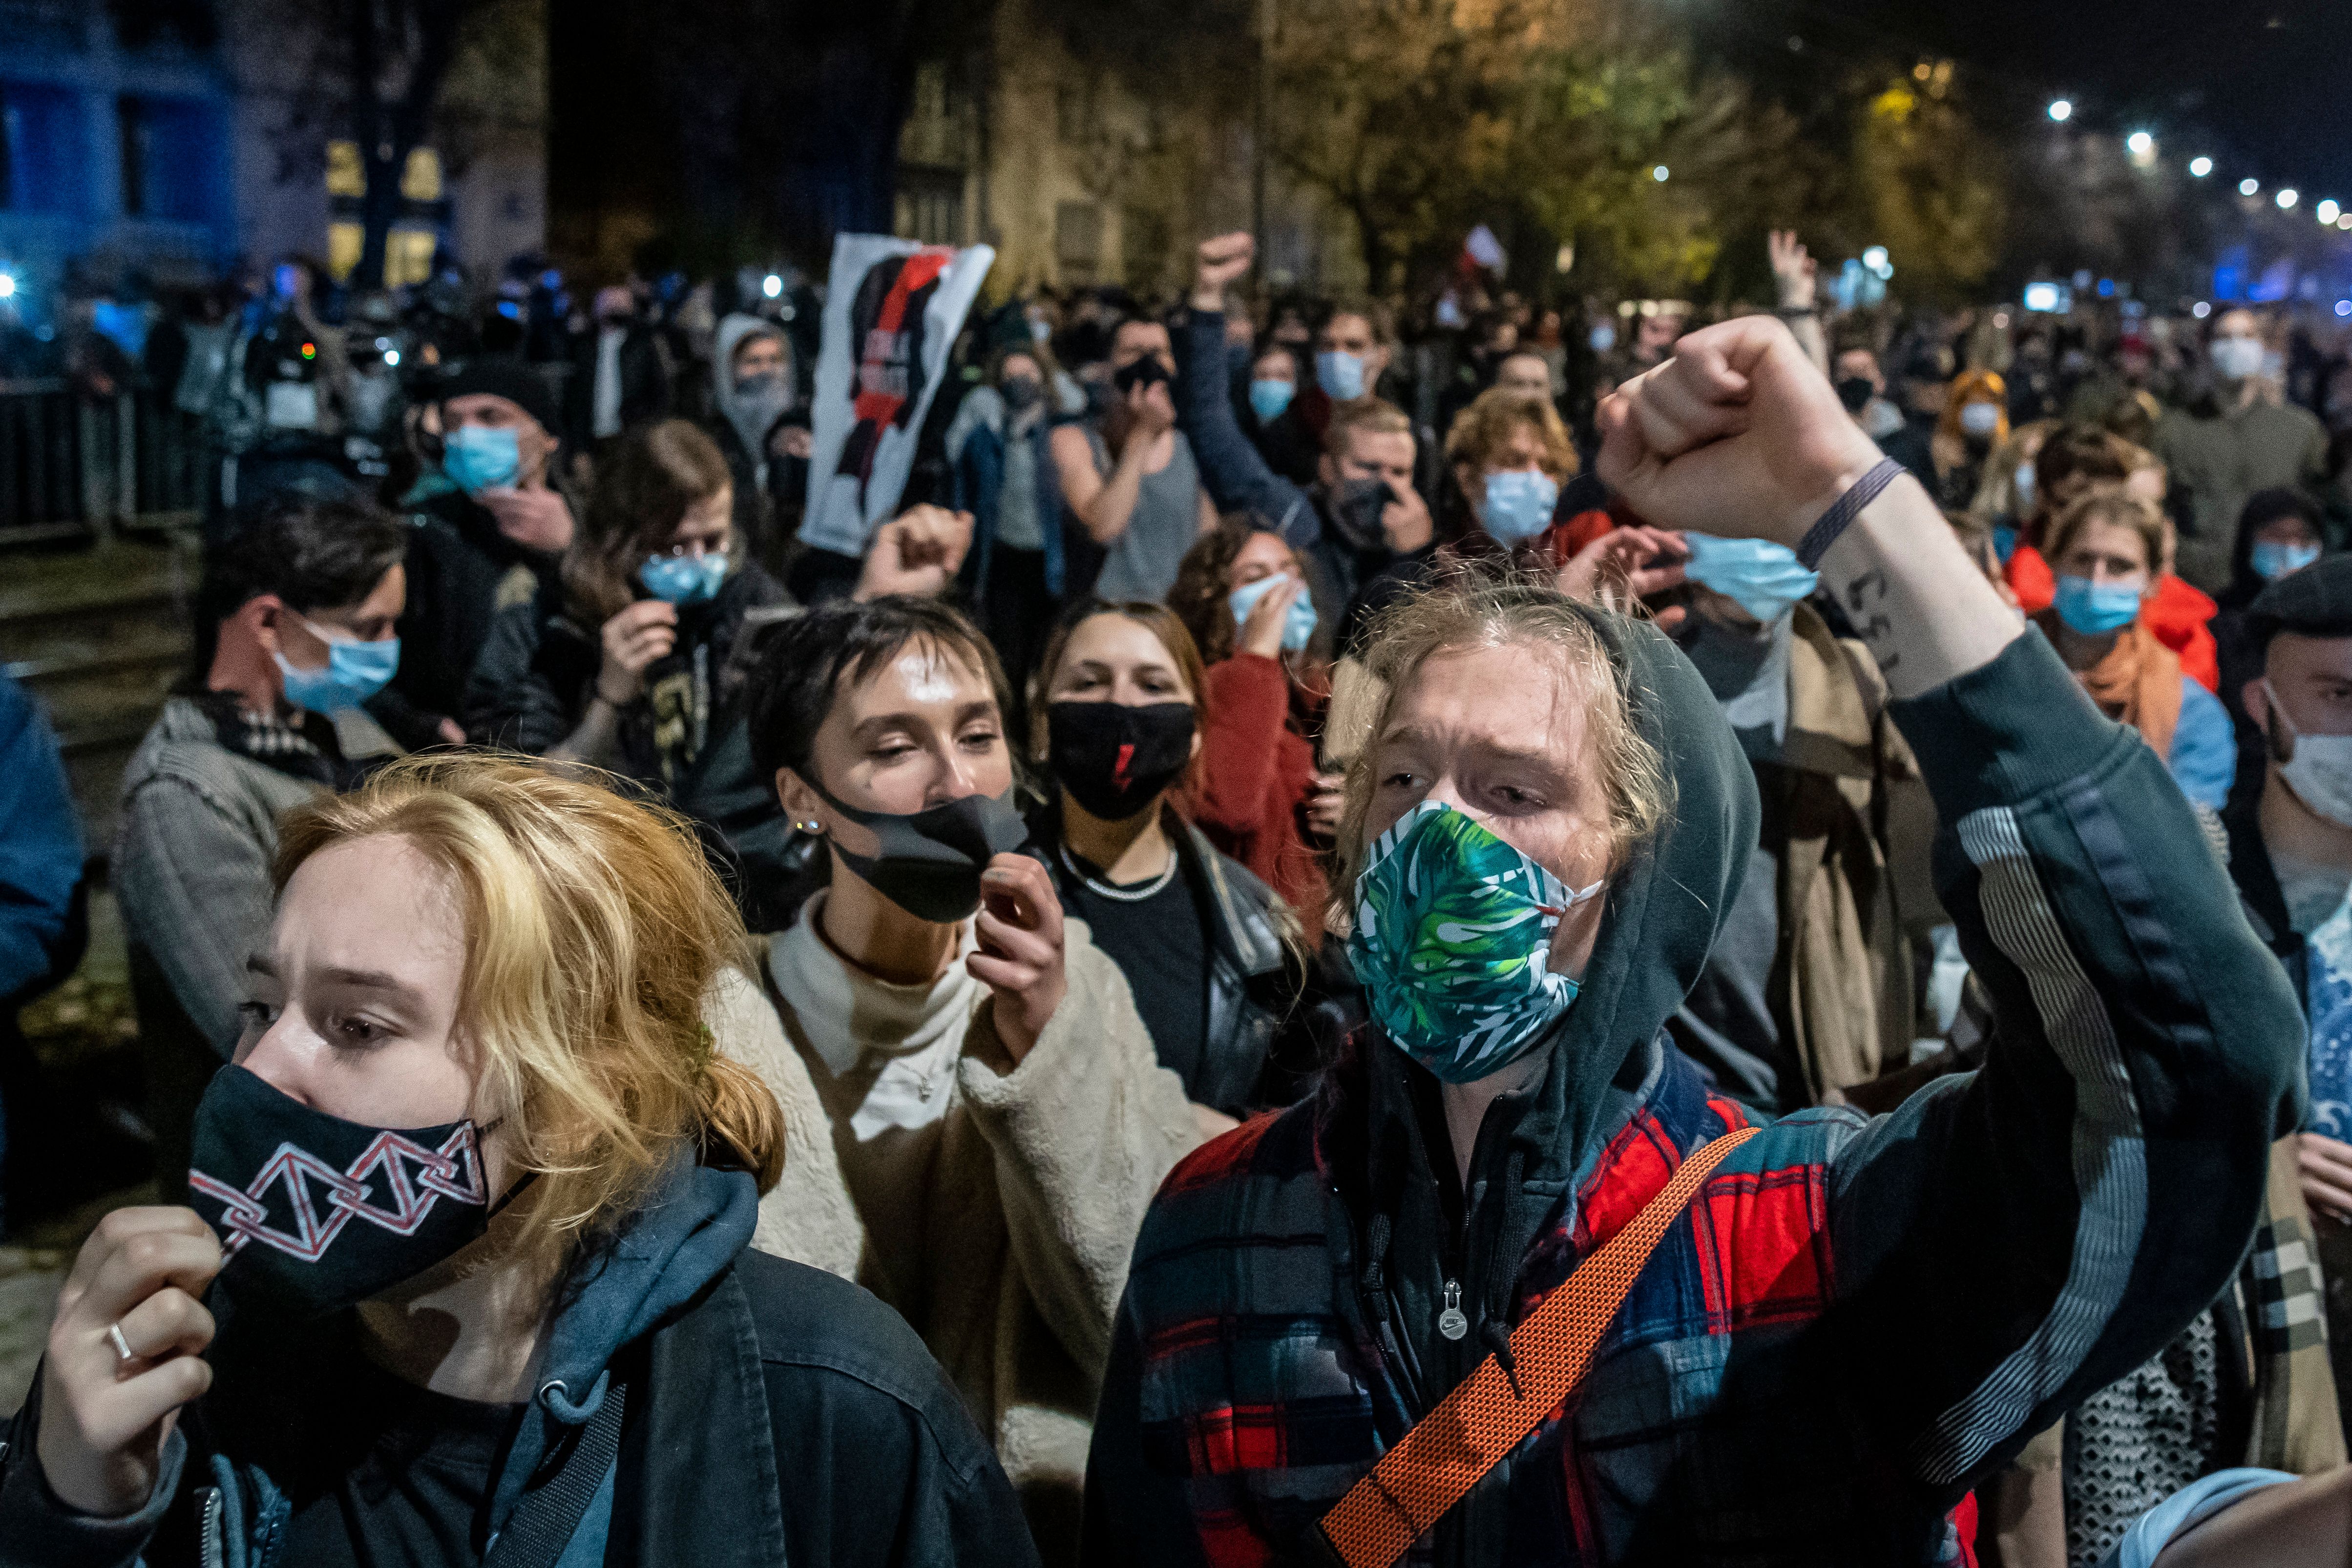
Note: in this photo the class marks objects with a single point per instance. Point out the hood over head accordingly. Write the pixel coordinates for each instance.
(1661, 913)
(1667, 906)
(734, 329)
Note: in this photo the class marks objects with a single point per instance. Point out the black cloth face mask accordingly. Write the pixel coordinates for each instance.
(928, 863)
(1113, 758)
(1355, 508)
(317, 1213)
(1855, 393)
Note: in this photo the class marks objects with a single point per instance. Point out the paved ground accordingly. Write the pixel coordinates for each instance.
(30, 1276)
(95, 635)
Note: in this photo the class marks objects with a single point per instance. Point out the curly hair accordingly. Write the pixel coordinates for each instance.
(1481, 433)
(1204, 585)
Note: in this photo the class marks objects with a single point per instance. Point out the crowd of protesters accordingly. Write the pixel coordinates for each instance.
(1281, 849)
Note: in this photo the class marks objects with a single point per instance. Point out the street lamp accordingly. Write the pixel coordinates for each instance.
(2288, 197)
(1660, 174)
(2199, 167)
(7, 286)
(2249, 187)
(2327, 212)
(2061, 109)
(2141, 143)
(772, 286)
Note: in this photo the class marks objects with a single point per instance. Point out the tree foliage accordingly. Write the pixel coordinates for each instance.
(1929, 184)
(1547, 119)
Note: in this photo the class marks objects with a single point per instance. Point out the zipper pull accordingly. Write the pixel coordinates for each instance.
(1451, 1322)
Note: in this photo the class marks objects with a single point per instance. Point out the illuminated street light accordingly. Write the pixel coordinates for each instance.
(2199, 167)
(772, 286)
(2288, 198)
(2200, 310)
(2327, 212)
(2061, 109)
(392, 358)
(7, 286)
(1659, 174)
(2141, 143)
(2249, 187)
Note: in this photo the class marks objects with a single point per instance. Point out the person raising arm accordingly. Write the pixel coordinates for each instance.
(1859, 1320)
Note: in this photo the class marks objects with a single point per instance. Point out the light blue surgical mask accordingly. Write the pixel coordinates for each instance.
(1341, 376)
(684, 578)
(356, 672)
(1269, 398)
(1519, 504)
(2272, 561)
(1763, 577)
(477, 457)
(1297, 626)
(2095, 609)
(1452, 941)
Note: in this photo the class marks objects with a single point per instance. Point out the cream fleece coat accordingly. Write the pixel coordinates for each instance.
(1043, 1174)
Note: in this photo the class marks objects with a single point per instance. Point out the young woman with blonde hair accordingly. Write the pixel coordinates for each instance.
(467, 1276)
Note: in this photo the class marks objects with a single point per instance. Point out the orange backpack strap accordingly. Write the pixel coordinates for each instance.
(1482, 1419)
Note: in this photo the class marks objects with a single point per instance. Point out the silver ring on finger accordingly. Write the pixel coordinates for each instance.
(121, 1347)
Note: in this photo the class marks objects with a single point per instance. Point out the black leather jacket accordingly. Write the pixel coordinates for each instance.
(1257, 1051)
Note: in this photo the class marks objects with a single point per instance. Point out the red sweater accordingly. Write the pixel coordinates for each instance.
(1250, 794)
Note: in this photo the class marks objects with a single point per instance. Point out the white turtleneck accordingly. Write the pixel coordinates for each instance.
(883, 1059)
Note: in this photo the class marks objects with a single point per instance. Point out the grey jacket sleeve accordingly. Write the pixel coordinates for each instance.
(2010, 1240)
(195, 887)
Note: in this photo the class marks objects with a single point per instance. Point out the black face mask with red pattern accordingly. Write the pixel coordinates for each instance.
(317, 1214)
(1115, 759)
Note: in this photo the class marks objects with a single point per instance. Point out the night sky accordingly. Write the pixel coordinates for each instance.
(2263, 85)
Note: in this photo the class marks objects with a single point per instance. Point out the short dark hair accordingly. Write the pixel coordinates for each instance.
(804, 660)
(313, 553)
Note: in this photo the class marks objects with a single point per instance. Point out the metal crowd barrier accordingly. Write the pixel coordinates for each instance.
(73, 467)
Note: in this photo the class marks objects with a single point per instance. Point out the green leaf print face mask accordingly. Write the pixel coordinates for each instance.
(1452, 935)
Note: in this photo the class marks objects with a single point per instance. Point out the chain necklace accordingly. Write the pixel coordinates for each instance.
(1111, 889)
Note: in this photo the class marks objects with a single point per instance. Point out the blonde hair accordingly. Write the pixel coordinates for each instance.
(1479, 605)
(1481, 431)
(595, 930)
(1363, 416)
(1996, 494)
